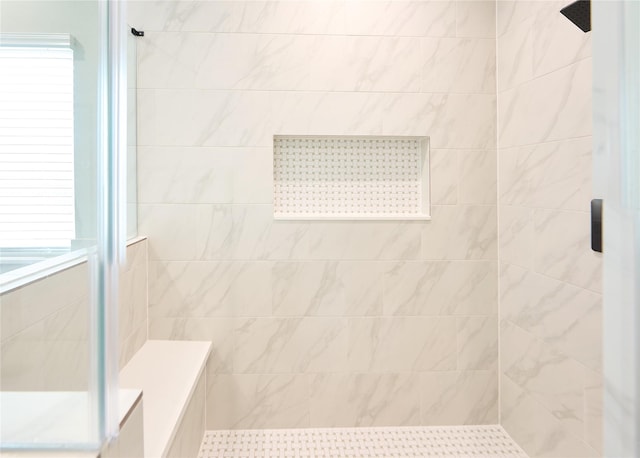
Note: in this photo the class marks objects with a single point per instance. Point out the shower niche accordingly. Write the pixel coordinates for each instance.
(351, 178)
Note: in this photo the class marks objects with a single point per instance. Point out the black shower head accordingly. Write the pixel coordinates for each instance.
(579, 13)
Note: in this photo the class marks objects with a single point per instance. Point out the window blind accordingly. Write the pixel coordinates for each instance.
(36, 147)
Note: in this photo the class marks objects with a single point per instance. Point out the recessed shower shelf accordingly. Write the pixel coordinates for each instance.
(347, 178)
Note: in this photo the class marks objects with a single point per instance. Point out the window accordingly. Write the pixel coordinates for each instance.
(36, 142)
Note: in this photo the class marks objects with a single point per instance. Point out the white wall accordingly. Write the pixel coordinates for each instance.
(321, 323)
(550, 280)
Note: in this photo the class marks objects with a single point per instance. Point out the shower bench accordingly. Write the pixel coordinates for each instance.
(170, 374)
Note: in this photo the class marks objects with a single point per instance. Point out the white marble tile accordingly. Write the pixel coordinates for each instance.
(309, 62)
(209, 288)
(328, 113)
(205, 175)
(563, 248)
(477, 181)
(460, 232)
(548, 175)
(364, 240)
(66, 365)
(168, 240)
(256, 61)
(565, 316)
(516, 235)
(516, 175)
(213, 118)
(444, 177)
(68, 323)
(475, 19)
(400, 344)
(251, 118)
(536, 367)
(188, 16)
(282, 17)
(511, 14)
(458, 65)
(136, 255)
(147, 117)
(477, 341)
(169, 59)
(548, 31)
(12, 314)
(536, 429)
(514, 53)
(559, 101)
(411, 18)
(219, 331)
(459, 398)
(327, 288)
(450, 120)
(284, 345)
(27, 305)
(440, 288)
(243, 232)
(130, 345)
(22, 360)
(132, 303)
(257, 401)
(364, 399)
(307, 17)
(382, 64)
(273, 17)
(563, 176)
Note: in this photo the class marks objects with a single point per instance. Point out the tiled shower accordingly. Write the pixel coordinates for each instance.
(322, 323)
(376, 323)
(483, 310)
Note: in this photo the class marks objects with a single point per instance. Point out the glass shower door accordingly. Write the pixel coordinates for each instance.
(62, 149)
(616, 107)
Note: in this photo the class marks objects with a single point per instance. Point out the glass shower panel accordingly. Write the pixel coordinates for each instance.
(132, 87)
(616, 99)
(57, 141)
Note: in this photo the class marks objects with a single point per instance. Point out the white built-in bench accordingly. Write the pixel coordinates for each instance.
(171, 376)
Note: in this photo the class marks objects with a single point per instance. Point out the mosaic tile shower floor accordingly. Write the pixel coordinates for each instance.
(388, 442)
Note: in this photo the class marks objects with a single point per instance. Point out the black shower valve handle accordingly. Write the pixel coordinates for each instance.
(596, 225)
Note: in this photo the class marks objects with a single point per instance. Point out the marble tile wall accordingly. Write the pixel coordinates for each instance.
(321, 323)
(44, 336)
(133, 324)
(550, 280)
